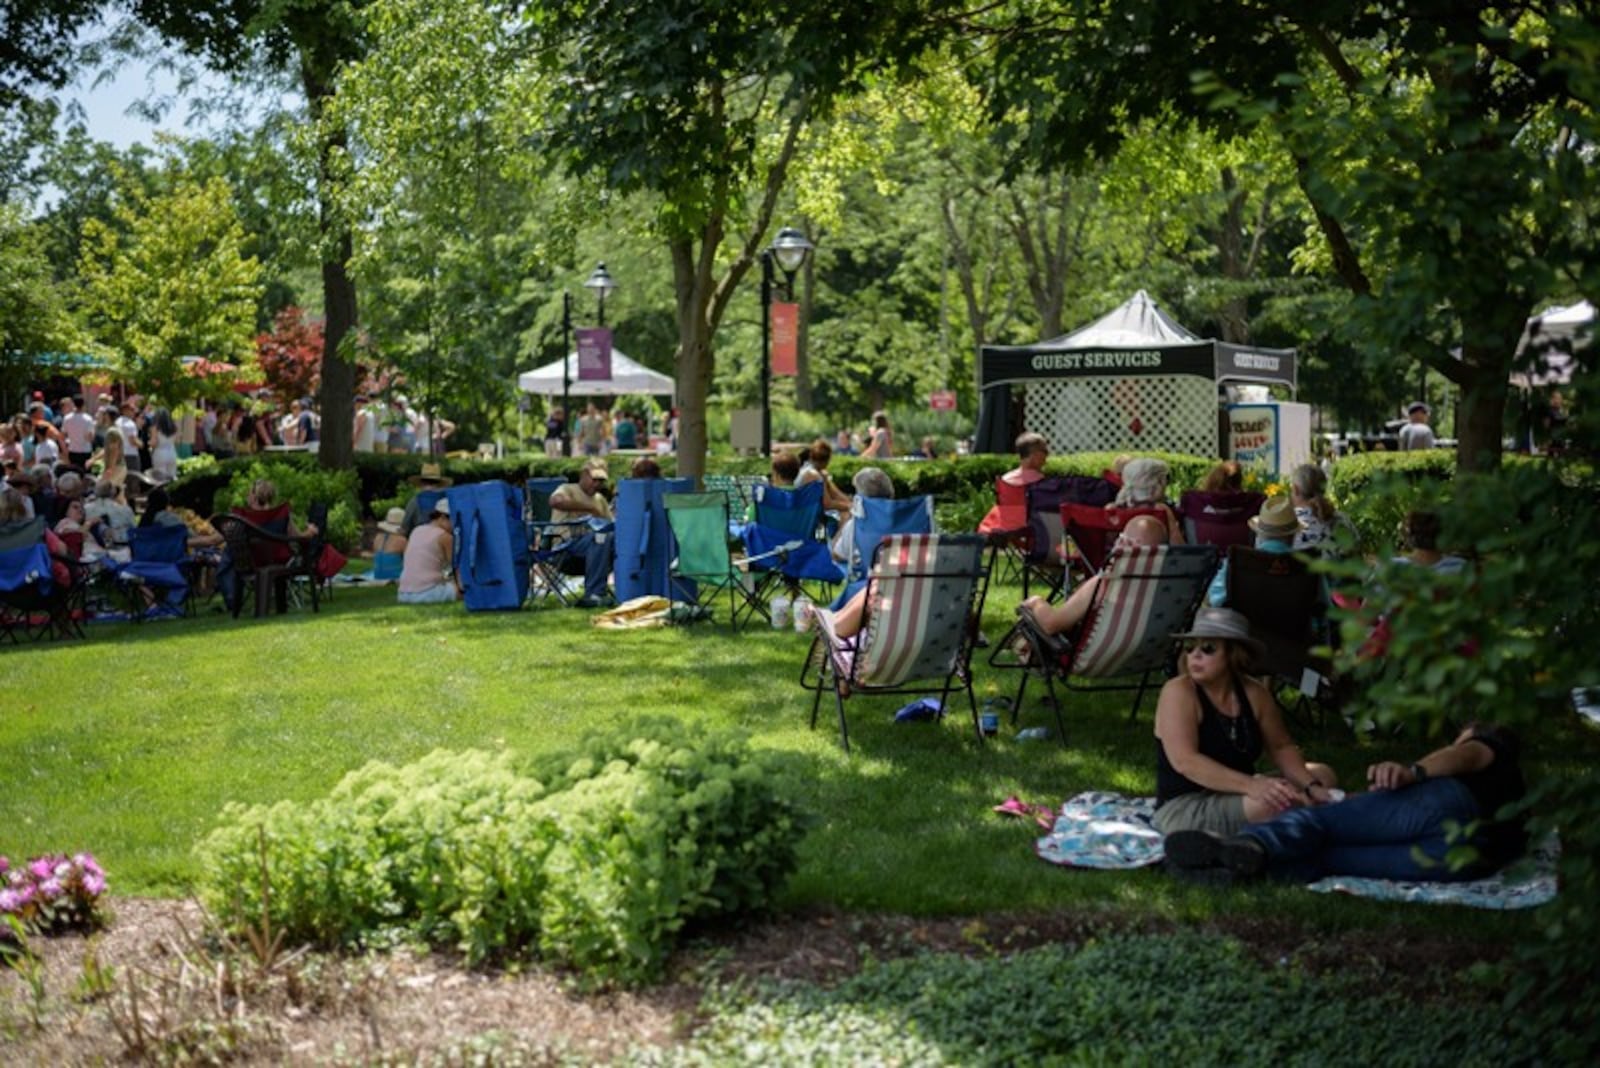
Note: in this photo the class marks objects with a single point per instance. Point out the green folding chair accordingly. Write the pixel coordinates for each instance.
(704, 566)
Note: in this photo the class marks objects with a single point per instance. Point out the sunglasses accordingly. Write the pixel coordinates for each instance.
(1204, 648)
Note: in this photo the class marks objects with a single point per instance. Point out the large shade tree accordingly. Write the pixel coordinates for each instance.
(1443, 147)
(312, 40)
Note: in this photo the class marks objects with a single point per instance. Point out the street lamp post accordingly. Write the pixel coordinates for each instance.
(566, 373)
(789, 250)
(600, 282)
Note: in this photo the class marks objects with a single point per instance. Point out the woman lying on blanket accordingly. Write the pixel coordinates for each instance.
(1213, 723)
(1402, 829)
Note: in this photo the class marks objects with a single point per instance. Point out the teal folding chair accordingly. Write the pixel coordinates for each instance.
(704, 566)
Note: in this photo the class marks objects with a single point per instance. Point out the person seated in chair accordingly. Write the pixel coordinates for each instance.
(1402, 828)
(1049, 618)
(582, 500)
(1420, 532)
(109, 517)
(431, 477)
(425, 574)
(1214, 722)
(1275, 527)
(868, 482)
(263, 497)
(1144, 485)
(1032, 452)
(13, 510)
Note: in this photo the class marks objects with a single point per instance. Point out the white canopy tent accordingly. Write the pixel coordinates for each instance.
(627, 376)
(1552, 335)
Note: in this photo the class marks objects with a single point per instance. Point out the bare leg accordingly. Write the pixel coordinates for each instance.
(847, 620)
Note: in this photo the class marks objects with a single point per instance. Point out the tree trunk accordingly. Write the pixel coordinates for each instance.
(336, 399)
(694, 363)
(1234, 314)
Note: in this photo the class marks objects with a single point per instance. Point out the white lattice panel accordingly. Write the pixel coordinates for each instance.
(1176, 413)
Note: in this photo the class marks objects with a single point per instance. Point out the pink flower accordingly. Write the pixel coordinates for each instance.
(41, 867)
(94, 884)
(10, 901)
(50, 889)
(5, 864)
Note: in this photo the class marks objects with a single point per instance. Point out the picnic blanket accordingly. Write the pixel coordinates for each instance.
(1108, 831)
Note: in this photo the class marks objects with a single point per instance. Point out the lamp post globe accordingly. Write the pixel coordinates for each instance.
(602, 285)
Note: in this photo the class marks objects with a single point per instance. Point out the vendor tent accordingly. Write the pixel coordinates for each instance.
(1132, 379)
(1544, 355)
(627, 376)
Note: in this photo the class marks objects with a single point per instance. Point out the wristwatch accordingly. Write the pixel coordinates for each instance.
(1419, 773)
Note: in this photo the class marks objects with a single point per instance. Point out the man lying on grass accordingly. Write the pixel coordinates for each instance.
(1402, 828)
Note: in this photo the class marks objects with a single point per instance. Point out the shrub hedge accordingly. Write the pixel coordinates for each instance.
(597, 857)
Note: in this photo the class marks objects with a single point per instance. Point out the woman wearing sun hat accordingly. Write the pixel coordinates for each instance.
(1213, 725)
(389, 547)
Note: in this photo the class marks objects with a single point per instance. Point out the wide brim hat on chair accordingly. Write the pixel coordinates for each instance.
(1226, 624)
(431, 475)
(1276, 519)
(393, 521)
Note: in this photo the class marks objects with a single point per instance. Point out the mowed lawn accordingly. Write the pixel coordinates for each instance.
(128, 744)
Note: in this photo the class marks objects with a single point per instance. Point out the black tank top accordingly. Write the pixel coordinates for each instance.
(1233, 743)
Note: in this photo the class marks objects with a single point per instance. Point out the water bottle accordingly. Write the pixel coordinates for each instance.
(1033, 734)
(802, 614)
(780, 612)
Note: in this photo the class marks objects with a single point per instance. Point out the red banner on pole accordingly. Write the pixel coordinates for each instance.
(594, 353)
(942, 400)
(785, 339)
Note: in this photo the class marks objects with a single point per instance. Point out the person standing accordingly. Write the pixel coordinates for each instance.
(78, 430)
(881, 447)
(555, 426)
(1416, 434)
(163, 445)
(364, 432)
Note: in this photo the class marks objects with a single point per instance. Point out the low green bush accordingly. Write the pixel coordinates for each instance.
(1179, 998)
(597, 860)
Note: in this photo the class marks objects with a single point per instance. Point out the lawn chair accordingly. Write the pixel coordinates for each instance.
(924, 597)
(265, 560)
(1146, 594)
(33, 602)
(1041, 555)
(158, 572)
(704, 565)
(550, 556)
(1220, 519)
(872, 520)
(1094, 530)
(783, 517)
(1283, 600)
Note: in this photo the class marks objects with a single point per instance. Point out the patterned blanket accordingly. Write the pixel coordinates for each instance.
(1109, 831)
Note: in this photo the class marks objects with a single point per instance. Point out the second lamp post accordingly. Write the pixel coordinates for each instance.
(789, 250)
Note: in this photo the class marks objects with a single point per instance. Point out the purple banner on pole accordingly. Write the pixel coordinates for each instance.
(594, 353)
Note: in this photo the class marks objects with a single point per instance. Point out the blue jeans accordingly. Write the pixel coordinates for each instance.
(598, 550)
(1385, 834)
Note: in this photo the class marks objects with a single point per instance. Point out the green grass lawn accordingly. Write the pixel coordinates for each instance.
(129, 743)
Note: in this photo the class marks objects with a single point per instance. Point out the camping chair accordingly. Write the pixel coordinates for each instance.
(1146, 594)
(785, 516)
(159, 568)
(1041, 557)
(33, 603)
(872, 520)
(1220, 519)
(550, 556)
(1094, 530)
(1006, 527)
(1283, 600)
(924, 597)
(643, 538)
(704, 565)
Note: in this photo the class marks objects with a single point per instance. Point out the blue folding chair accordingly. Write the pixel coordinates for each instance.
(550, 555)
(785, 516)
(643, 536)
(871, 520)
(160, 558)
(28, 592)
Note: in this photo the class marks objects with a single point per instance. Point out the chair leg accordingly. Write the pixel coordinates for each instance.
(1138, 696)
(844, 731)
(1016, 705)
(1055, 706)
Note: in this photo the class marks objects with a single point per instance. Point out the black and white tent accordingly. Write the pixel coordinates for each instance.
(1134, 379)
